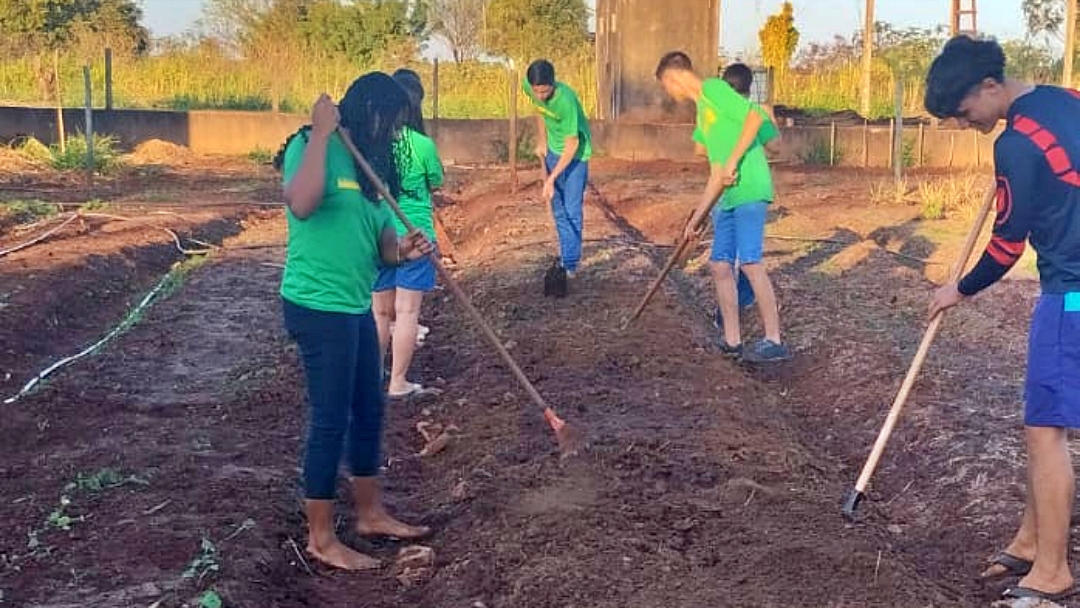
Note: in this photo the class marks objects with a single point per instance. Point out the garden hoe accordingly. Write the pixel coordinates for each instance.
(682, 249)
(569, 439)
(851, 503)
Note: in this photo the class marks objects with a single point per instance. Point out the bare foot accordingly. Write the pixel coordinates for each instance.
(337, 555)
(1008, 563)
(381, 524)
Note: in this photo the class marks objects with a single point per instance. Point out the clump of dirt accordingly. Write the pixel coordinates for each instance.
(15, 161)
(159, 152)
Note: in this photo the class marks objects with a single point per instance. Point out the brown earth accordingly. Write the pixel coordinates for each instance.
(708, 483)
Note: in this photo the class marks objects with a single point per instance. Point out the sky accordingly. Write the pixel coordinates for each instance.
(817, 20)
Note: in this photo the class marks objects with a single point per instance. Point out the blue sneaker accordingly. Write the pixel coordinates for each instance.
(767, 351)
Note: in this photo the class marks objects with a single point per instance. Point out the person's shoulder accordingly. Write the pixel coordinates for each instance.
(565, 92)
(716, 87)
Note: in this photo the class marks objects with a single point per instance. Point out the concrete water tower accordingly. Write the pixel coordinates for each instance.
(632, 35)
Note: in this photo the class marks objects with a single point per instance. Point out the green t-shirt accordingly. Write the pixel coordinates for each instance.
(421, 172)
(721, 112)
(563, 117)
(332, 257)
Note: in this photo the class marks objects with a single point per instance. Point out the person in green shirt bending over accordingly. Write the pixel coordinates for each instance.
(564, 143)
(399, 290)
(340, 231)
(733, 131)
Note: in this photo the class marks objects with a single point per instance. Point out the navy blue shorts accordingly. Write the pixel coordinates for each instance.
(417, 275)
(1052, 391)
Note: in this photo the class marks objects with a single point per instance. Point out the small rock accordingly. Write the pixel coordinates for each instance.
(440, 381)
(510, 345)
(479, 605)
(462, 402)
(437, 445)
(895, 529)
(426, 412)
(414, 564)
(460, 491)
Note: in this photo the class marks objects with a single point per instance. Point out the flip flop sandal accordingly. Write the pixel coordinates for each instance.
(416, 391)
(1013, 566)
(1017, 593)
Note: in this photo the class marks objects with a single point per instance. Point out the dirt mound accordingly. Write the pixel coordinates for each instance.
(14, 161)
(156, 151)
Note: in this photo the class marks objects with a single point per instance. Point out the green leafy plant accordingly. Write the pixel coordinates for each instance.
(75, 155)
(205, 562)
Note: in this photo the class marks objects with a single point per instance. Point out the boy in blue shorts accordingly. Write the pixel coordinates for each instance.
(1038, 200)
(732, 131)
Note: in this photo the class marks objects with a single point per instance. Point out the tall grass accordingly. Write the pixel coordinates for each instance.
(207, 80)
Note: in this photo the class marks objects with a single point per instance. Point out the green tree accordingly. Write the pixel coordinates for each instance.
(779, 38)
(1028, 61)
(29, 26)
(1044, 17)
(524, 30)
(908, 52)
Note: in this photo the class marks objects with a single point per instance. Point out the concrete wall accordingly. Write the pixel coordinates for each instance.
(631, 36)
(485, 141)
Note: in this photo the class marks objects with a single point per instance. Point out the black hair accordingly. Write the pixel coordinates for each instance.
(541, 73)
(410, 81)
(279, 158)
(373, 111)
(963, 64)
(740, 77)
(675, 60)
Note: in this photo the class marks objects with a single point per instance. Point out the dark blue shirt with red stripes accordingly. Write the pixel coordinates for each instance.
(1038, 192)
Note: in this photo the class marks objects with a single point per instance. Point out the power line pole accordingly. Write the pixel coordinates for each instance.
(1070, 40)
(868, 57)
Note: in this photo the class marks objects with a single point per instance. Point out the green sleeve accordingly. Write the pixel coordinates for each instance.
(699, 135)
(768, 130)
(429, 158)
(294, 153)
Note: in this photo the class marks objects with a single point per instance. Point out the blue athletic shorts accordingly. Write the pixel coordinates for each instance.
(417, 275)
(1052, 390)
(739, 233)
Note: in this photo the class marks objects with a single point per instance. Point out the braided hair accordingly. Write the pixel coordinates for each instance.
(373, 111)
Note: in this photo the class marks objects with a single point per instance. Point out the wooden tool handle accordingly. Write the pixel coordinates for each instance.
(455, 289)
(924, 348)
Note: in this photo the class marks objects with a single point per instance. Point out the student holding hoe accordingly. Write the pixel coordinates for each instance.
(733, 132)
(564, 145)
(1038, 200)
(339, 232)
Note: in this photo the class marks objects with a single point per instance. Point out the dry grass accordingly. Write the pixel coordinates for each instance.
(955, 196)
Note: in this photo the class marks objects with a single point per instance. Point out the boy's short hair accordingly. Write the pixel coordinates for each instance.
(740, 77)
(541, 73)
(964, 62)
(675, 60)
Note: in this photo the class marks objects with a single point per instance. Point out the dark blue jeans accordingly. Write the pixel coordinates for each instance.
(567, 208)
(340, 353)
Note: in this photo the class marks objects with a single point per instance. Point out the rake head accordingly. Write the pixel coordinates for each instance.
(570, 440)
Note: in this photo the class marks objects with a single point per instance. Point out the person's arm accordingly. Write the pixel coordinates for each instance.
(718, 180)
(541, 138)
(751, 125)
(570, 148)
(395, 252)
(306, 186)
(773, 145)
(1019, 169)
